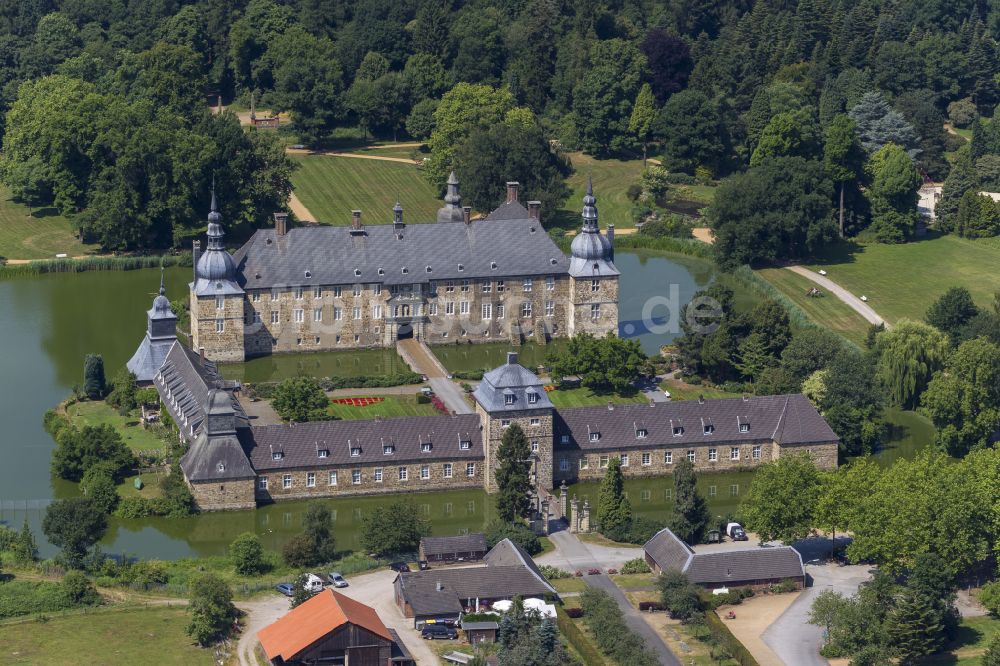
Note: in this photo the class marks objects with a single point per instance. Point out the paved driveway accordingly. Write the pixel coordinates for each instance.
(847, 297)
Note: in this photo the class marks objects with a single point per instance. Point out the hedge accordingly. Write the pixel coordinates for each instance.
(614, 638)
(588, 653)
(725, 638)
(265, 390)
(24, 597)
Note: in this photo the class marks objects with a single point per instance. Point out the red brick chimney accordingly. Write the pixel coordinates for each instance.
(512, 186)
(535, 209)
(280, 223)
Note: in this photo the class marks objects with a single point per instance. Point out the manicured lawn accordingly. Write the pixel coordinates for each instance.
(628, 581)
(584, 397)
(331, 187)
(389, 407)
(974, 636)
(404, 150)
(150, 488)
(41, 236)
(547, 545)
(573, 584)
(98, 412)
(468, 358)
(826, 310)
(903, 280)
(682, 391)
(611, 180)
(126, 637)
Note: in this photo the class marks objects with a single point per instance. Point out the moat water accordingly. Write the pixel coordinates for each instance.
(50, 322)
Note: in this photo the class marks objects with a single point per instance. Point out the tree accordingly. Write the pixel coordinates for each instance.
(643, 113)
(247, 554)
(98, 485)
(24, 547)
(781, 502)
(809, 350)
(211, 608)
(778, 210)
(79, 450)
(123, 392)
(299, 551)
(613, 511)
(609, 364)
(690, 516)
(307, 82)
(78, 589)
(693, 133)
(789, 134)
(55, 40)
(752, 358)
(668, 61)
(74, 525)
(300, 399)
(964, 399)
(992, 655)
(826, 609)
(841, 495)
(489, 158)
(681, 597)
(513, 475)
(94, 384)
(914, 629)
(603, 98)
(300, 592)
(879, 124)
(893, 194)
(420, 122)
(393, 529)
(317, 525)
(497, 530)
(843, 157)
(907, 357)
(951, 311)
(852, 402)
(961, 179)
(978, 216)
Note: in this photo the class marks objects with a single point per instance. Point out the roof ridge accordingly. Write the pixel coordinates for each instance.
(781, 419)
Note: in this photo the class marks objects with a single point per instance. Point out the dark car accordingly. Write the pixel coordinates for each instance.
(434, 631)
(399, 566)
(285, 588)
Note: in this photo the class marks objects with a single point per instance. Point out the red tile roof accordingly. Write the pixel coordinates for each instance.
(314, 619)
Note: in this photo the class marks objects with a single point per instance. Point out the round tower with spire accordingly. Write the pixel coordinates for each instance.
(217, 300)
(593, 275)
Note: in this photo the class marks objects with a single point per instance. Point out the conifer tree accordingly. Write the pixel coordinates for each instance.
(614, 513)
(690, 519)
(914, 628)
(643, 113)
(513, 475)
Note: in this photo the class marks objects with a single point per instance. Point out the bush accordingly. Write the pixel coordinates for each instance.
(635, 566)
(614, 638)
(668, 226)
(519, 533)
(472, 375)
(79, 590)
(423, 399)
(300, 399)
(783, 587)
(681, 597)
(574, 612)
(653, 181)
(650, 606)
(733, 597)
(962, 112)
(633, 191)
(21, 597)
(123, 392)
(147, 396)
(642, 530)
(553, 573)
(53, 422)
(247, 554)
(680, 178)
(989, 597)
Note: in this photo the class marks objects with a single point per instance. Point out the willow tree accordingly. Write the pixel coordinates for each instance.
(907, 356)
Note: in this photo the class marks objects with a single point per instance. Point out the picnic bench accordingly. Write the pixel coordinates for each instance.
(458, 657)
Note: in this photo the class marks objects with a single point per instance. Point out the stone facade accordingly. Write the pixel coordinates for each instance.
(595, 305)
(338, 481)
(218, 330)
(226, 495)
(537, 427)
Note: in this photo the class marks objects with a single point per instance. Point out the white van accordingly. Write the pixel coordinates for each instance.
(313, 583)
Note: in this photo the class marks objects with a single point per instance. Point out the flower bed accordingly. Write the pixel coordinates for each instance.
(357, 402)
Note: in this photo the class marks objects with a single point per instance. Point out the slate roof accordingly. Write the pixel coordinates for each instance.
(509, 572)
(216, 458)
(300, 444)
(723, 567)
(460, 543)
(509, 210)
(184, 381)
(514, 380)
(309, 622)
(786, 419)
(147, 359)
(332, 255)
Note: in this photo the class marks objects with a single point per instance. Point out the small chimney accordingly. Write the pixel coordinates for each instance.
(467, 214)
(511, 358)
(701, 399)
(280, 223)
(611, 240)
(512, 186)
(195, 255)
(355, 219)
(439, 586)
(201, 355)
(535, 210)
(611, 406)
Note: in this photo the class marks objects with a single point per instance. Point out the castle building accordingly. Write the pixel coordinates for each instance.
(161, 333)
(311, 288)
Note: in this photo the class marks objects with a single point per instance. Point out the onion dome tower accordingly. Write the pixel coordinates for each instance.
(591, 252)
(452, 209)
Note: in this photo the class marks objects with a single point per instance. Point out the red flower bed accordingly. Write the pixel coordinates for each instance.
(593, 572)
(357, 402)
(439, 405)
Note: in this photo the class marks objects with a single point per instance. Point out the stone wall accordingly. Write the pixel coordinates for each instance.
(542, 433)
(390, 483)
(825, 455)
(216, 496)
(584, 297)
(205, 314)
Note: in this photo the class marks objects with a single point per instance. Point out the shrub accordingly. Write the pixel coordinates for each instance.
(574, 612)
(989, 597)
(783, 587)
(134, 507)
(553, 573)
(633, 191)
(79, 590)
(681, 597)
(123, 392)
(653, 181)
(147, 396)
(247, 554)
(473, 375)
(300, 399)
(53, 422)
(21, 597)
(423, 399)
(578, 573)
(612, 571)
(680, 178)
(593, 571)
(635, 566)
(651, 606)
(519, 533)
(642, 530)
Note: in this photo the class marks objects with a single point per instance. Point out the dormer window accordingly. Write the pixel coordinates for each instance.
(388, 449)
(357, 272)
(532, 397)
(641, 433)
(381, 271)
(428, 269)
(309, 274)
(221, 467)
(405, 270)
(461, 267)
(277, 455)
(709, 428)
(355, 451)
(493, 265)
(426, 447)
(323, 453)
(744, 427)
(595, 436)
(508, 400)
(678, 430)
(465, 444)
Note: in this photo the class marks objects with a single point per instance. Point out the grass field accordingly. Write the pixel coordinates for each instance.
(682, 391)
(974, 636)
(331, 187)
(827, 310)
(99, 413)
(41, 236)
(391, 406)
(126, 637)
(903, 280)
(611, 180)
(584, 397)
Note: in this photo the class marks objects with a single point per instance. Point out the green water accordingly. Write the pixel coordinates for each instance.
(317, 364)
(51, 321)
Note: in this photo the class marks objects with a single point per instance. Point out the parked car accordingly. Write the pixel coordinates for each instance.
(736, 532)
(337, 580)
(313, 583)
(423, 564)
(401, 567)
(286, 589)
(434, 631)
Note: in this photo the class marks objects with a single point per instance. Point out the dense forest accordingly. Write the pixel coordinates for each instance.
(824, 116)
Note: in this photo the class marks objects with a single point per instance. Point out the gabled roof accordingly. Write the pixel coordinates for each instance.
(509, 210)
(785, 419)
(508, 554)
(184, 382)
(668, 550)
(460, 543)
(308, 623)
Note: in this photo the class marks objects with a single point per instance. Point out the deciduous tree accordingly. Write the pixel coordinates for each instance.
(211, 608)
(781, 502)
(74, 525)
(393, 529)
(907, 357)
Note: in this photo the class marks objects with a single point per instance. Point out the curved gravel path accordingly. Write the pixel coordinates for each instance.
(847, 297)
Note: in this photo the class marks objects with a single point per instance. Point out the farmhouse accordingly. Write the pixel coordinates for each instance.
(749, 567)
(443, 595)
(324, 288)
(332, 628)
